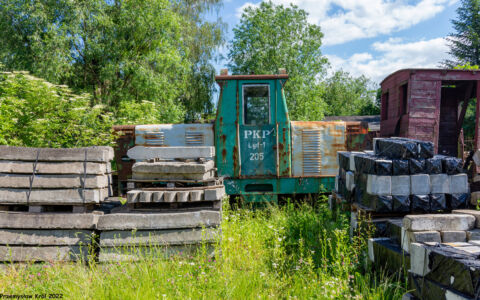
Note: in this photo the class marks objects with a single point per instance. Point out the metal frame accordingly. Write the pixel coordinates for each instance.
(243, 100)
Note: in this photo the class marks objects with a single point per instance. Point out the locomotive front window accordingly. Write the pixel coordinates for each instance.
(256, 101)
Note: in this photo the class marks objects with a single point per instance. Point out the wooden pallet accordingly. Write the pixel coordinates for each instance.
(48, 208)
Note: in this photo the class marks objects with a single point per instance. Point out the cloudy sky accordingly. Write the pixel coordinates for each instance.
(372, 37)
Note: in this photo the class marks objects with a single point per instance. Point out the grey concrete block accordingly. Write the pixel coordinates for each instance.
(133, 196)
(57, 237)
(22, 220)
(475, 198)
(420, 184)
(22, 181)
(125, 253)
(473, 235)
(45, 253)
(440, 222)
(172, 167)
(196, 195)
(143, 153)
(145, 197)
(158, 237)
(453, 236)
(56, 196)
(157, 196)
(350, 180)
(147, 221)
(379, 185)
(409, 237)
(337, 178)
(440, 184)
(169, 196)
(472, 212)
(174, 176)
(401, 185)
(26, 167)
(459, 184)
(182, 196)
(419, 260)
(94, 154)
(371, 253)
(214, 194)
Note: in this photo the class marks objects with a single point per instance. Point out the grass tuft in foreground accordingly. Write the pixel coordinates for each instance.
(277, 252)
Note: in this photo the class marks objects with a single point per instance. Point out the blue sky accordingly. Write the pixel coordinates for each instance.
(371, 37)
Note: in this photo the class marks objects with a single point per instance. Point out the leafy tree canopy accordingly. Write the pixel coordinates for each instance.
(270, 37)
(119, 51)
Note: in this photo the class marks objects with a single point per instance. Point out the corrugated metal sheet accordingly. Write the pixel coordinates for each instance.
(174, 135)
(315, 146)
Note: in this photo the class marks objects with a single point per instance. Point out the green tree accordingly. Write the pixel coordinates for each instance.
(270, 37)
(134, 51)
(36, 113)
(464, 43)
(347, 95)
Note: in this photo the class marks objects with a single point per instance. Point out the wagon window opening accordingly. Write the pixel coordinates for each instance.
(256, 99)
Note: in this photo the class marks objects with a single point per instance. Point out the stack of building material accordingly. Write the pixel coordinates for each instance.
(44, 197)
(402, 176)
(174, 205)
(43, 177)
(131, 236)
(441, 253)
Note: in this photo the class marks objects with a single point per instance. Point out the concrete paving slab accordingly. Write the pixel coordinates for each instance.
(116, 254)
(158, 237)
(94, 154)
(419, 261)
(26, 167)
(45, 253)
(173, 176)
(409, 237)
(22, 181)
(147, 221)
(473, 235)
(52, 196)
(143, 153)
(172, 167)
(438, 222)
(32, 237)
(63, 221)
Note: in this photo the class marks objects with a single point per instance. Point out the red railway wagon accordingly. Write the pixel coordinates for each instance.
(429, 104)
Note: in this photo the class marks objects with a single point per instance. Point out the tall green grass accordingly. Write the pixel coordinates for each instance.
(288, 252)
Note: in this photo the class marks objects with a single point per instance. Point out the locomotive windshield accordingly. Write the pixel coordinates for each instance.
(256, 101)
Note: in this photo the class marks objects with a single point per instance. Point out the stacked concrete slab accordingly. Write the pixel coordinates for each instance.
(49, 176)
(402, 176)
(440, 253)
(174, 206)
(36, 180)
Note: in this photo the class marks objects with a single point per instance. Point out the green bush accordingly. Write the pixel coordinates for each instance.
(36, 113)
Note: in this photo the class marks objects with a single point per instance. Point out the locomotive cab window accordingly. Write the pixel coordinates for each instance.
(256, 104)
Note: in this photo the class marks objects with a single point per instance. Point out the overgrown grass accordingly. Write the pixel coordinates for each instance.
(279, 252)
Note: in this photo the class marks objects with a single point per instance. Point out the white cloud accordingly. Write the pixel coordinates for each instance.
(240, 9)
(348, 20)
(394, 54)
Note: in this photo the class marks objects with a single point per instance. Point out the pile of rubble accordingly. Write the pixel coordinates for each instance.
(47, 198)
(402, 175)
(439, 252)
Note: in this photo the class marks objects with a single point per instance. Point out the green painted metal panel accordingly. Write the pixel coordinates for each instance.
(257, 150)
